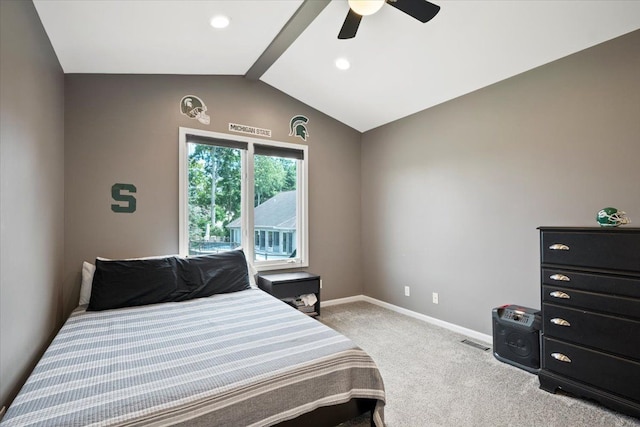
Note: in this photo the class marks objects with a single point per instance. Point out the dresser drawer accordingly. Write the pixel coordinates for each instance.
(599, 249)
(603, 303)
(628, 286)
(617, 375)
(612, 334)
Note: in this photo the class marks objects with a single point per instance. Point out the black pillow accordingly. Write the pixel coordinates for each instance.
(126, 283)
(206, 275)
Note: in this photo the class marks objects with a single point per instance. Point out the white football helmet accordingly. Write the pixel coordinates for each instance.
(193, 107)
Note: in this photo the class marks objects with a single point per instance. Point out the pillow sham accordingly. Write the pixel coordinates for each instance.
(193, 277)
(251, 270)
(88, 270)
(206, 275)
(128, 283)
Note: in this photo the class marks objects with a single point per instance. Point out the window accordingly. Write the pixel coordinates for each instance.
(243, 192)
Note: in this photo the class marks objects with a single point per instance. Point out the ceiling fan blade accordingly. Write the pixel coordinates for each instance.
(350, 26)
(422, 10)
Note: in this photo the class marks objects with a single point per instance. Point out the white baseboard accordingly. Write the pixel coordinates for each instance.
(487, 339)
(341, 301)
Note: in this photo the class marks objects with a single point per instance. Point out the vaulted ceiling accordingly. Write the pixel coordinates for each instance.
(399, 65)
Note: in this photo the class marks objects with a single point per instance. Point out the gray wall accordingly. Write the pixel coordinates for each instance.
(124, 129)
(452, 196)
(446, 201)
(32, 196)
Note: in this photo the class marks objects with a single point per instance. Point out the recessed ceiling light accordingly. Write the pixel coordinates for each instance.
(219, 22)
(343, 64)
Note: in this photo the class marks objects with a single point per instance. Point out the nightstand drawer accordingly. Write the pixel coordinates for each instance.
(288, 289)
(614, 374)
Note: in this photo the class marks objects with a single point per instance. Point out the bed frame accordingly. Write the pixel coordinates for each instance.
(226, 346)
(330, 416)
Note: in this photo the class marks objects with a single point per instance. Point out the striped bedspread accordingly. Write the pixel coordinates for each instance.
(238, 359)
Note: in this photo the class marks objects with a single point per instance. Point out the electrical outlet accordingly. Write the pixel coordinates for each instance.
(435, 298)
(407, 291)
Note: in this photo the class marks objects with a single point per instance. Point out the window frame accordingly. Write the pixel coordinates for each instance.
(247, 198)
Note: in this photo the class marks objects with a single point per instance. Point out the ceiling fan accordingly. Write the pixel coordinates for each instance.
(421, 10)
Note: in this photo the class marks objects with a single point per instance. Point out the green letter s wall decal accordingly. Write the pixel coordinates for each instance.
(116, 194)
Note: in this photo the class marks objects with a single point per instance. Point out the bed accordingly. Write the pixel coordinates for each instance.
(237, 358)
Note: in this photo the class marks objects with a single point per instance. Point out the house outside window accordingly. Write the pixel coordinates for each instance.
(243, 192)
(274, 218)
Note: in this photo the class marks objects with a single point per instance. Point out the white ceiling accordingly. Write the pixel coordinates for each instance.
(399, 65)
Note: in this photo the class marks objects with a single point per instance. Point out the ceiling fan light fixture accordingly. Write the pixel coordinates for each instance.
(219, 22)
(366, 7)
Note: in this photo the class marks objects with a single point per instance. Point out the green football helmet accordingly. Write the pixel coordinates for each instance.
(611, 217)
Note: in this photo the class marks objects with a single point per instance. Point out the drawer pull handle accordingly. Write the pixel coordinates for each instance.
(561, 357)
(560, 277)
(559, 247)
(559, 294)
(560, 322)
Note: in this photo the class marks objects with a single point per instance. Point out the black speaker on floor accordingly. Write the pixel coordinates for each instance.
(516, 336)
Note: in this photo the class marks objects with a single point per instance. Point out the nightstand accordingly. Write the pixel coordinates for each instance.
(289, 287)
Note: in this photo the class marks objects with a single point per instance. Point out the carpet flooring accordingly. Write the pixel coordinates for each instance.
(433, 379)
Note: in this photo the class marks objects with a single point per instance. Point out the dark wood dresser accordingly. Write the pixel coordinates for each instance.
(591, 314)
